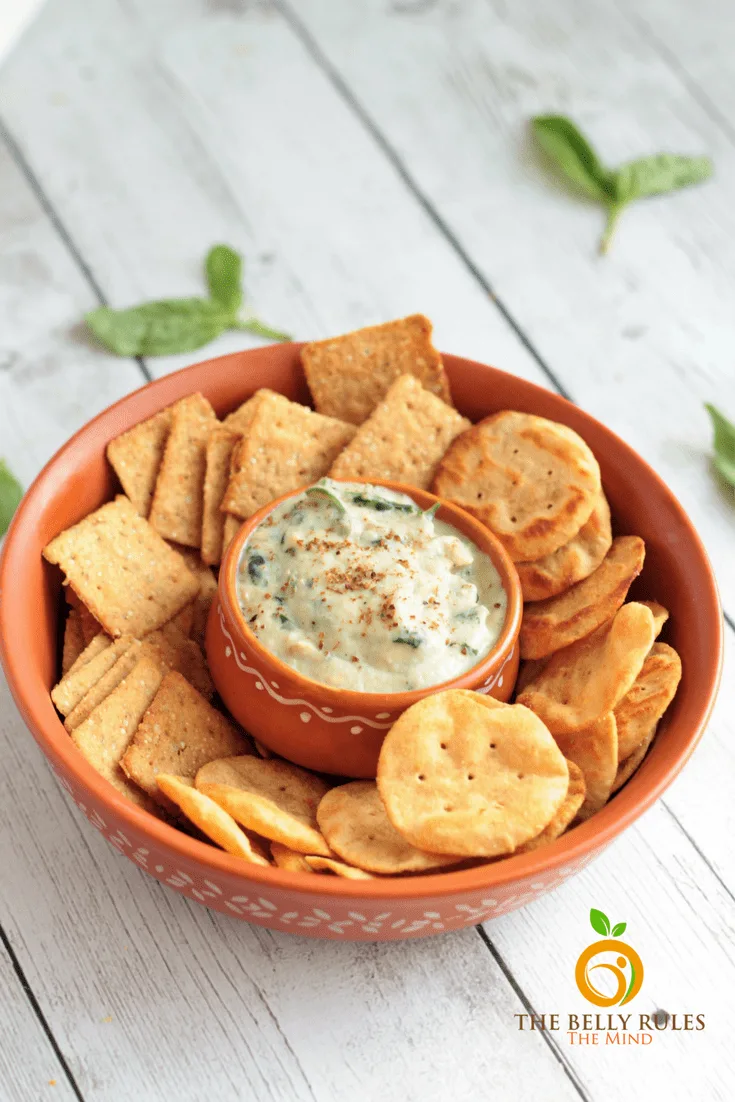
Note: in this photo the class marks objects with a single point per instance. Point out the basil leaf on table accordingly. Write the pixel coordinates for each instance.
(724, 444)
(11, 492)
(223, 267)
(568, 147)
(159, 328)
(167, 326)
(575, 157)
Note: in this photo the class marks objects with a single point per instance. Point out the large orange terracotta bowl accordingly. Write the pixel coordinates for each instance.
(77, 480)
(318, 726)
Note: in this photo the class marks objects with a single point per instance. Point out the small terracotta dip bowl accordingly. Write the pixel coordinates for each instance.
(328, 729)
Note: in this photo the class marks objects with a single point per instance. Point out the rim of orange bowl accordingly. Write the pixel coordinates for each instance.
(482, 539)
(644, 788)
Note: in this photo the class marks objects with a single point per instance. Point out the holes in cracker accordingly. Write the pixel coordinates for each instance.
(492, 745)
(421, 777)
(470, 776)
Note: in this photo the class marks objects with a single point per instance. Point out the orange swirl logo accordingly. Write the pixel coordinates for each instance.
(627, 970)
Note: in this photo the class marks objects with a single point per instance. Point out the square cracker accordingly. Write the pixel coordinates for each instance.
(241, 419)
(104, 736)
(179, 734)
(176, 509)
(73, 640)
(136, 456)
(124, 572)
(104, 686)
(176, 652)
(233, 525)
(220, 447)
(403, 439)
(349, 375)
(84, 674)
(207, 589)
(287, 446)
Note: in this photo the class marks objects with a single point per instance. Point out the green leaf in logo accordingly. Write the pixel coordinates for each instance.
(600, 922)
(619, 929)
(11, 492)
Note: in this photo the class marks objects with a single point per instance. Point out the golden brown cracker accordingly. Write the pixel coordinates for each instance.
(211, 819)
(86, 673)
(629, 765)
(470, 777)
(128, 576)
(104, 736)
(289, 859)
(73, 640)
(582, 682)
(203, 600)
(339, 868)
(553, 574)
(176, 508)
(555, 623)
(179, 733)
(274, 798)
(565, 813)
(233, 525)
(220, 447)
(240, 420)
(262, 751)
(136, 457)
(355, 824)
(403, 439)
(349, 375)
(100, 642)
(91, 627)
(648, 698)
(287, 446)
(531, 481)
(595, 751)
(660, 615)
(184, 620)
(183, 655)
(104, 686)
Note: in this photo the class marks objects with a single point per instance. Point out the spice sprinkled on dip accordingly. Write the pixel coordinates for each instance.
(357, 587)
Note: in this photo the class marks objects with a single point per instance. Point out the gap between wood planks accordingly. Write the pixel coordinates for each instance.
(345, 93)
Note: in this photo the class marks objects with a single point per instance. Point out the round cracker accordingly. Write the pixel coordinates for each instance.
(554, 573)
(565, 814)
(550, 625)
(339, 868)
(627, 768)
(533, 482)
(646, 701)
(354, 822)
(286, 858)
(464, 776)
(595, 751)
(211, 819)
(582, 682)
(271, 797)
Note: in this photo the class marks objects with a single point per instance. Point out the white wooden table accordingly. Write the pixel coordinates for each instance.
(370, 158)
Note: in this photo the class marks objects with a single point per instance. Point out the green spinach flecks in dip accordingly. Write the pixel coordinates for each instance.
(356, 586)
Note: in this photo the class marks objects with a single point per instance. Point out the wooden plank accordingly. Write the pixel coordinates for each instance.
(51, 379)
(199, 129)
(641, 338)
(29, 1067)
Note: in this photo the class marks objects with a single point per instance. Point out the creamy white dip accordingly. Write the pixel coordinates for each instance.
(355, 586)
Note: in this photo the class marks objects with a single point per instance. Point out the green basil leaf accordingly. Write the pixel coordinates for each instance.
(600, 922)
(724, 444)
(658, 175)
(223, 268)
(252, 325)
(619, 929)
(11, 492)
(573, 155)
(159, 328)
